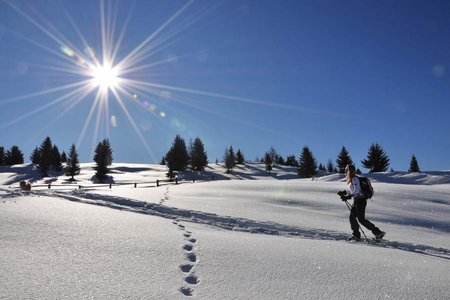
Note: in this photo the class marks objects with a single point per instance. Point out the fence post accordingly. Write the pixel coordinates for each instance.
(176, 180)
(49, 186)
(135, 185)
(157, 182)
(110, 185)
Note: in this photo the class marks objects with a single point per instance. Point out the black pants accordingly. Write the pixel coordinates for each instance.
(358, 213)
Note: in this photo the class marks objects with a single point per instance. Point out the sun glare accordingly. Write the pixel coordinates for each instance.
(105, 76)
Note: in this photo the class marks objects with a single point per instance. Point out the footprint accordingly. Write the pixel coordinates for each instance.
(181, 226)
(188, 235)
(186, 268)
(191, 257)
(193, 241)
(188, 247)
(192, 279)
(186, 291)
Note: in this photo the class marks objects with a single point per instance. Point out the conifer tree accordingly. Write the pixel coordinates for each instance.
(291, 161)
(72, 165)
(377, 160)
(177, 157)
(229, 159)
(45, 160)
(307, 164)
(240, 160)
(56, 159)
(63, 157)
(35, 156)
(273, 154)
(14, 156)
(343, 160)
(103, 158)
(108, 152)
(2, 156)
(268, 161)
(414, 165)
(163, 161)
(199, 158)
(330, 166)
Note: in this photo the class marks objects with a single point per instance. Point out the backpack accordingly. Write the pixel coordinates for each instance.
(366, 187)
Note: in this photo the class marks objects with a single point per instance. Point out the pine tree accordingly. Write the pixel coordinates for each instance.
(2, 156)
(35, 156)
(343, 160)
(108, 152)
(377, 160)
(330, 166)
(280, 161)
(45, 160)
(163, 161)
(56, 159)
(273, 154)
(240, 160)
(72, 165)
(63, 157)
(177, 158)
(268, 161)
(307, 164)
(229, 159)
(14, 156)
(199, 158)
(291, 161)
(101, 158)
(414, 165)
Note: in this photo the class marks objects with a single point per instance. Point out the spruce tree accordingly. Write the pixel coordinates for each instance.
(35, 156)
(56, 159)
(108, 152)
(330, 166)
(177, 158)
(307, 164)
(414, 165)
(343, 160)
(240, 160)
(229, 159)
(14, 156)
(291, 161)
(377, 160)
(45, 160)
(101, 159)
(72, 165)
(163, 161)
(63, 157)
(198, 156)
(268, 161)
(2, 156)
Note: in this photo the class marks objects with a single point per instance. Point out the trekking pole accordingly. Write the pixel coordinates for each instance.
(349, 206)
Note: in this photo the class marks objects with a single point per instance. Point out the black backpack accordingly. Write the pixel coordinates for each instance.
(366, 187)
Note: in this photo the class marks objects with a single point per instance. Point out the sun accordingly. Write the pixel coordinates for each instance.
(105, 76)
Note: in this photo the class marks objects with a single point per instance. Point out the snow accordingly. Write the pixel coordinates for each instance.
(247, 235)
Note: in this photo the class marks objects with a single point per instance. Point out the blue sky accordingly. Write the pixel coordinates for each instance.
(251, 74)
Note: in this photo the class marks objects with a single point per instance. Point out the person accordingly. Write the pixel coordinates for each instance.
(358, 210)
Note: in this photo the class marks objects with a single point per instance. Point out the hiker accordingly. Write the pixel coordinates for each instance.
(358, 210)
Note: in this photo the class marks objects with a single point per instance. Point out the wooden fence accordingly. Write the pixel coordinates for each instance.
(136, 184)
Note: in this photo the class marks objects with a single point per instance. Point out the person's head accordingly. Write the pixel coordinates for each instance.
(350, 172)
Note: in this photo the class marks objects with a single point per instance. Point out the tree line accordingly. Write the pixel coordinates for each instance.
(180, 157)
(47, 158)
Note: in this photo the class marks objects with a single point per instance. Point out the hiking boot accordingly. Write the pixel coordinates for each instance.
(380, 236)
(354, 238)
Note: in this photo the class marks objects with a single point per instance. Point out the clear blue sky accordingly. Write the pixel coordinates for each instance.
(251, 74)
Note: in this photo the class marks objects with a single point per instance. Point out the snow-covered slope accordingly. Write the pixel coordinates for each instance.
(269, 237)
